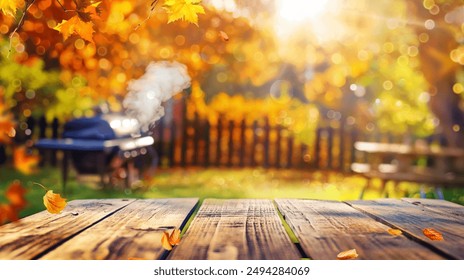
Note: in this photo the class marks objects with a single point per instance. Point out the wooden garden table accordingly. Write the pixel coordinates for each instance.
(238, 229)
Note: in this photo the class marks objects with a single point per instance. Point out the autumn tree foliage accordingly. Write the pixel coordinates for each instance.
(387, 69)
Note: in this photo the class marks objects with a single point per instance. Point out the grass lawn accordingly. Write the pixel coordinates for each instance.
(216, 183)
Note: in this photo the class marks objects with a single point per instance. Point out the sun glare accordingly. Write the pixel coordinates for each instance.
(300, 10)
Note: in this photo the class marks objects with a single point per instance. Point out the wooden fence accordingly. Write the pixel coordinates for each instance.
(196, 142)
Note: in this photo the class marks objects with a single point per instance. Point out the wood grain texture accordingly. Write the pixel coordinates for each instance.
(132, 233)
(412, 219)
(30, 237)
(236, 229)
(326, 228)
(440, 205)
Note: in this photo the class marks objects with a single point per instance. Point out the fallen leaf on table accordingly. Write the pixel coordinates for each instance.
(394, 232)
(53, 201)
(168, 241)
(24, 162)
(432, 234)
(347, 255)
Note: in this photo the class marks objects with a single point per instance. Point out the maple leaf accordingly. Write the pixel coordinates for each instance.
(187, 10)
(23, 161)
(15, 194)
(432, 234)
(168, 241)
(76, 26)
(347, 255)
(394, 232)
(9, 7)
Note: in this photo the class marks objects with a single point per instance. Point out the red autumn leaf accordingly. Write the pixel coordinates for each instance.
(8, 213)
(432, 234)
(15, 194)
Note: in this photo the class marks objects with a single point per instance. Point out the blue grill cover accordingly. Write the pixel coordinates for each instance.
(95, 128)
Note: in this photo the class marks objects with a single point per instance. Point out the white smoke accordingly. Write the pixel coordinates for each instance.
(159, 83)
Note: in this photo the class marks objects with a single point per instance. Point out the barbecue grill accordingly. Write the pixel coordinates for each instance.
(100, 145)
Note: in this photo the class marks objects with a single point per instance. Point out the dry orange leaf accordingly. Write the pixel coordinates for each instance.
(432, 234)
(168, 241)
(347, 255)
(394, 232)
(224, 36)
(15, 194)
(24, 162)
(76, 26)
(54, 202)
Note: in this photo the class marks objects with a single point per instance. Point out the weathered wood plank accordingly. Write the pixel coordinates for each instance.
(326, 228)
(32, 236)
(236, 229)
(412, 219)
(438, 205)
(132, 232)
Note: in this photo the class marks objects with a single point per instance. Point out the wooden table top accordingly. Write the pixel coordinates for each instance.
(238, 229)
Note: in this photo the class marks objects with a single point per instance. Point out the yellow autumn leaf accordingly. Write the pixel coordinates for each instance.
(174, 238)
(76, 26)
(165, 241)
(394, 232)
(54, 202)
(347, 255)
(9, 7)
(187, 10)
(170, 240)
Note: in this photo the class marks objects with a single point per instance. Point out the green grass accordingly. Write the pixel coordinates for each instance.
(216, 183)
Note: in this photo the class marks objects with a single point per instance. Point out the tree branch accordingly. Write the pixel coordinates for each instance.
(23, 17)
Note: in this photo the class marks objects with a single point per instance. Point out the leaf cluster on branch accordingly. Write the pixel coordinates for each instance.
(84, 12)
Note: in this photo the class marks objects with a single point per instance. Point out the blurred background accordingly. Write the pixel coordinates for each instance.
(280, 92)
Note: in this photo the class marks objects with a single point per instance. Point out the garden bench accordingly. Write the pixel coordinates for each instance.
(446, 168)
(238, 229)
